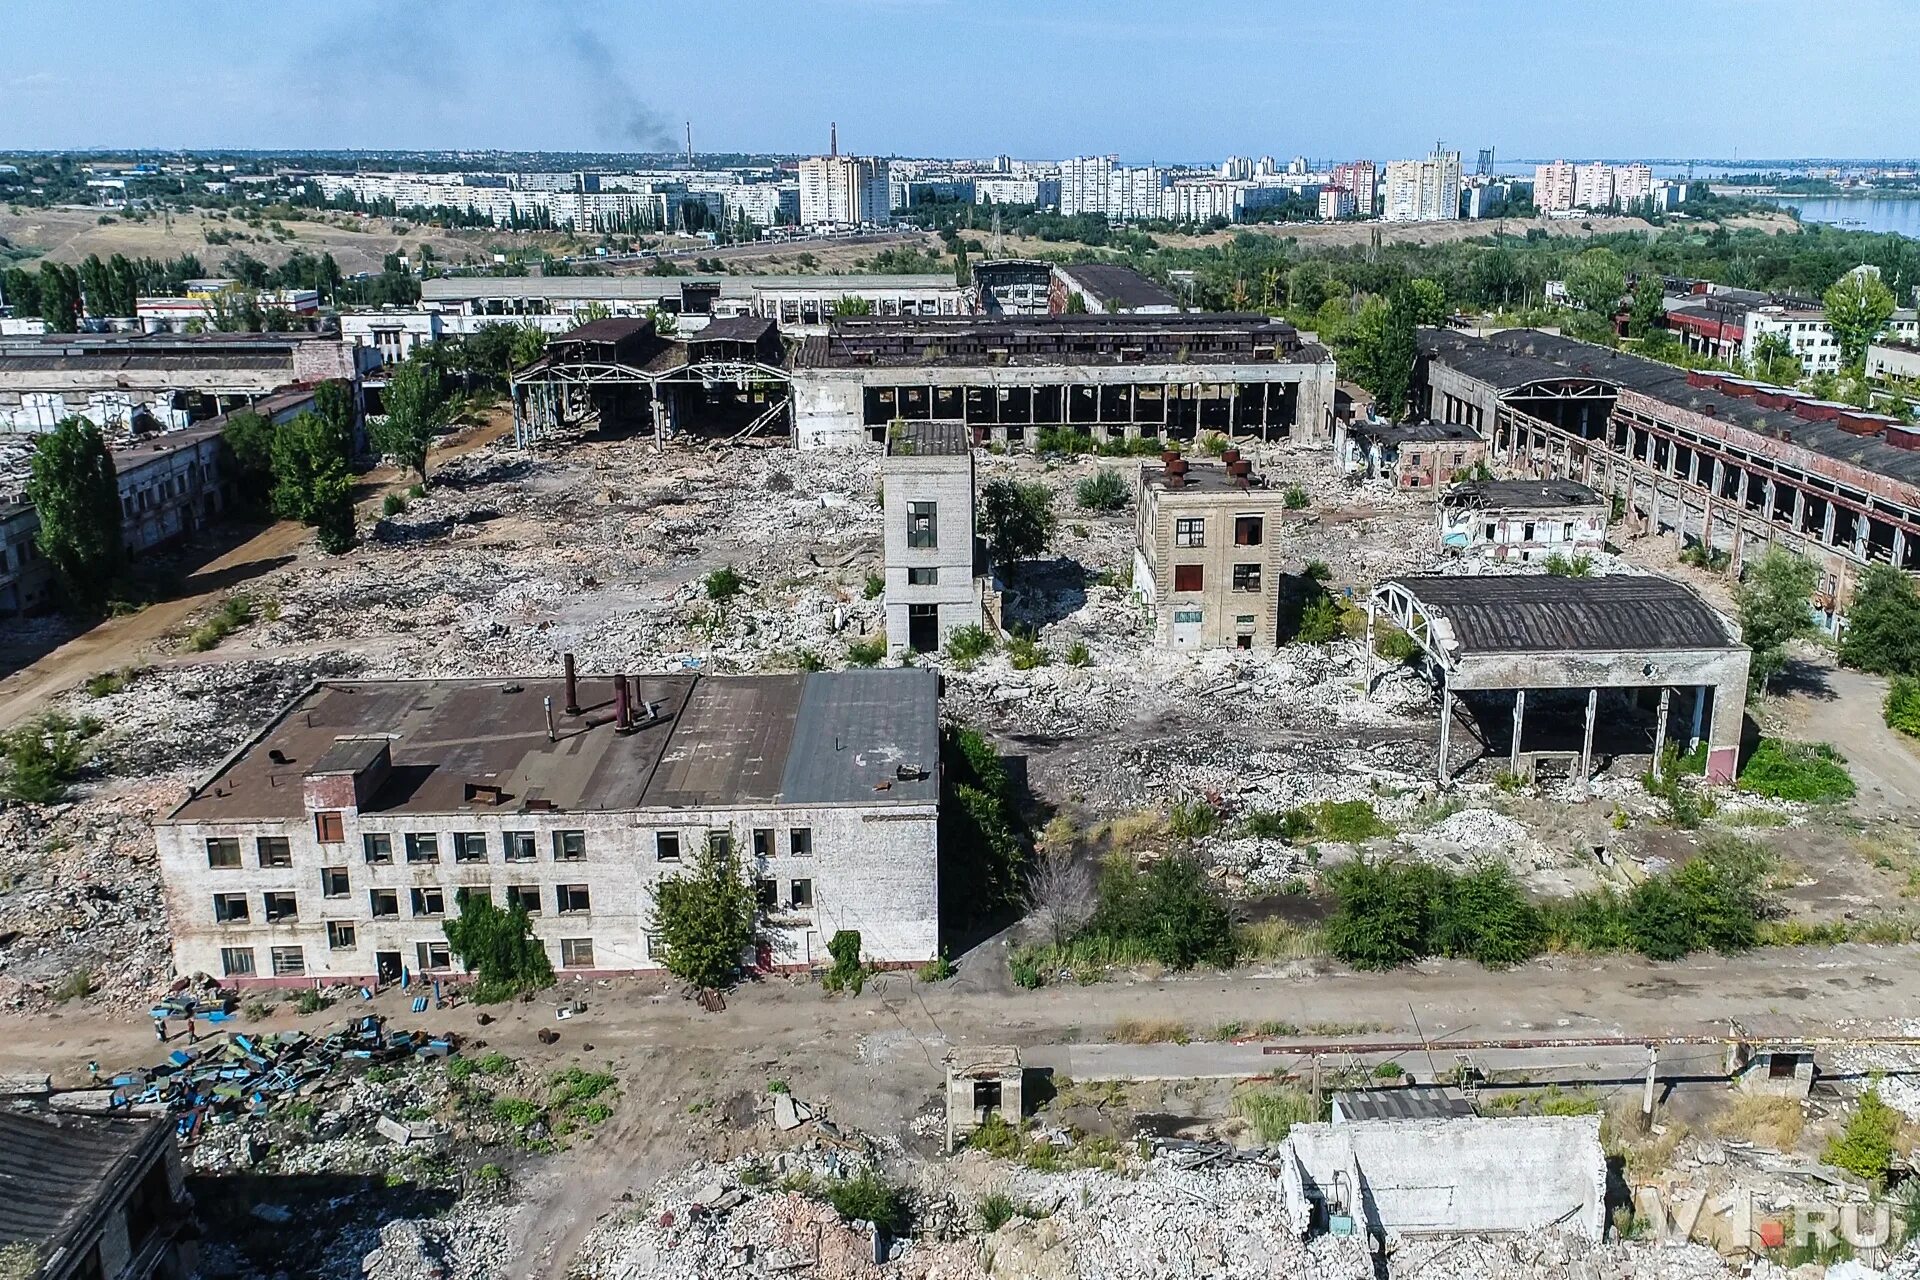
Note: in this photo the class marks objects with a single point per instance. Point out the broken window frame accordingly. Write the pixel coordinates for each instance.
(572, 900)
(423, 846)
(375, 899)
(223, 853)
(800, 893)
(527, 895)
(766, 893)
(433, 957)
(278, 906)
(273, 851)
(763, 842)
(1249, 531)
(231, 908)
(377, 846)
(288, 962)
(469, 846)
(923, 525)
(236, 962)
(335, 876)
(576, 953)
(578, 850)
(923, 576)
(343, 935)
(800, 842)
(666, 846)
(519, 846)
(421, 901)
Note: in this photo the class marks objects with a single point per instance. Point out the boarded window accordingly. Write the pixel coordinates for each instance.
(328, 828)
(274, 851)
(289, 962)
(923, 577)
(1188, 577)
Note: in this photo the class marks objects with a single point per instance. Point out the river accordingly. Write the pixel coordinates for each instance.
(1899, 214)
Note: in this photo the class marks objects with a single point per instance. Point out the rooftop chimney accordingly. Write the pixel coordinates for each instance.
(833, 138)
(622, 709)
(573, 685)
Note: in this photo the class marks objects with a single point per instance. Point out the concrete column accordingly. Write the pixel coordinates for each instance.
(1370, 611)
(1446, 727)
(1519, 719)
(1586, 743)
(1699, 715)
(1660, 730)
(1899, 547)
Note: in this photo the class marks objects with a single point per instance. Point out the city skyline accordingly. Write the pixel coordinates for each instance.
(1384, 81)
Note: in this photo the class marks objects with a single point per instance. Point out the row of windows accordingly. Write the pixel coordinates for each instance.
(1191, 531)
(291, 962)
(426, 901)
(471, 846)
(1193, 577)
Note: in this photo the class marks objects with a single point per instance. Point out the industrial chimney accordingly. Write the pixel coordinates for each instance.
(833, 138)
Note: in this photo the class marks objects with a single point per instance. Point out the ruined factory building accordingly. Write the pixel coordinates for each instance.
(1521, 520)
(1114, 377)
(936, 568)
(1725, 463)
(86, 1197)
(335, 844)
(1206, 561)
(1413, 455)
(1489, 641)
(1402, 1177)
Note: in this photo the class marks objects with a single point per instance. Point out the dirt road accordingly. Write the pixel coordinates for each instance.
(1833, 704)
(135, 638)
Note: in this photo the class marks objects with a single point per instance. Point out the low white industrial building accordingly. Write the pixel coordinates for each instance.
(1521, 520)
(335, 844)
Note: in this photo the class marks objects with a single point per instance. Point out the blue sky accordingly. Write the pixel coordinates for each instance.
(1167, 80)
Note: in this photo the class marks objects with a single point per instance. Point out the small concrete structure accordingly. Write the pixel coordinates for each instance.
(1414, 455)
(982, 1082)
(1414, 1177)
(1777, 1070)
(87, 1197)
(932, 557)
(1626, 633)
(1206, 554)
(1524, 520)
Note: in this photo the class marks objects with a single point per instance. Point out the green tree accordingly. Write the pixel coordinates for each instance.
(1017, 519)
(529, 341)
(1772, 599)
(60, 304)
(249, 439)
(1595, 282)
(312, 482)
(962, 272)
(1429, 301)
(1774, 361)
(850, 305)
(1383, 347)
(1883, 624)
(1858, 307)
(1649, 305)
(1076, 304)
(1865, 1146)
(415, 413)
(76, 493)
(705, 918)
(497, 945)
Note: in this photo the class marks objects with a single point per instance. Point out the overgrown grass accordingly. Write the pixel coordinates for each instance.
(1775, 1123)
(868, 652)
(1151, 1031)
(43, 757)
(108, 683)
(968, 644)
(1346, 821)
(1276, 939)
(723, 584)
(866, 1197)
(1273, 1111)
(874, 587)
(235, 612)
(1025, 653)
(1106, 491)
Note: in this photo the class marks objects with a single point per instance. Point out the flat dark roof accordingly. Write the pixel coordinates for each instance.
(715, 741)
(1523, 494)
(55, 1166)
(857, 731)
(1414, 432)
(1119, 283)
(1181, 338)
(733, 329)
(928, 440)
(1519, 613)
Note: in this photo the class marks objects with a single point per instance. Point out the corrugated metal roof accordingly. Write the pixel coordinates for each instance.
(1622, 613)
(1422, 1102)
(54, 1166)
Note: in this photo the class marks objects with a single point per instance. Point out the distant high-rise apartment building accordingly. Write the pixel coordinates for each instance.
(846, 190)
(1236, 167)
(1424, 190)
(1336, 203)
(1632, 184)
(1084, 181)
(1095, 184)
(1593, 186)
(1553, 187)
(1359, 177)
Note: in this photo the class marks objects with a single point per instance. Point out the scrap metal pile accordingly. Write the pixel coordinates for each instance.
(219, 1081)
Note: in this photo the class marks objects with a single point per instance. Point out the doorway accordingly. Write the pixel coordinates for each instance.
(923, 627)
(387, 966)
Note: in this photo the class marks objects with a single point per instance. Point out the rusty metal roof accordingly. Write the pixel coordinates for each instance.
(1621, 613)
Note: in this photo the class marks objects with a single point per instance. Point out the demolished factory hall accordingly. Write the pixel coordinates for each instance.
(91, 1197)
(1004, 381)
(335, 843)
(1490, 642)
(1725, 463)
(1521, 520)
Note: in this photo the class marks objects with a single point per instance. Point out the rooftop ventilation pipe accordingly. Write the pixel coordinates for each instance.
(573, 685)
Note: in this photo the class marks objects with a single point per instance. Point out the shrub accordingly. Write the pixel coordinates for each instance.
(1865, 1147)
(938, 969)
(1215, 444)
(1380, 917)
(1580, 566)
(1810, 772)
(868, 652)
(44, 756)
(874, 587)
(1346, 821)
(107, 683)
(417, 490)
(77, 985)
(1389, 1071)
(235, 611)
(1024, 653)
(1105, 491)
(1171, 911)
(1078, 655)
(723, 584)
(847, 973)
(1065, 440)
(1319, 621)
(968, 643)
(1192, 819)
(1295, 497)
(1395, 645)
(393, 504)
(1902, 707)
(1266, 824)
(866, 1198)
